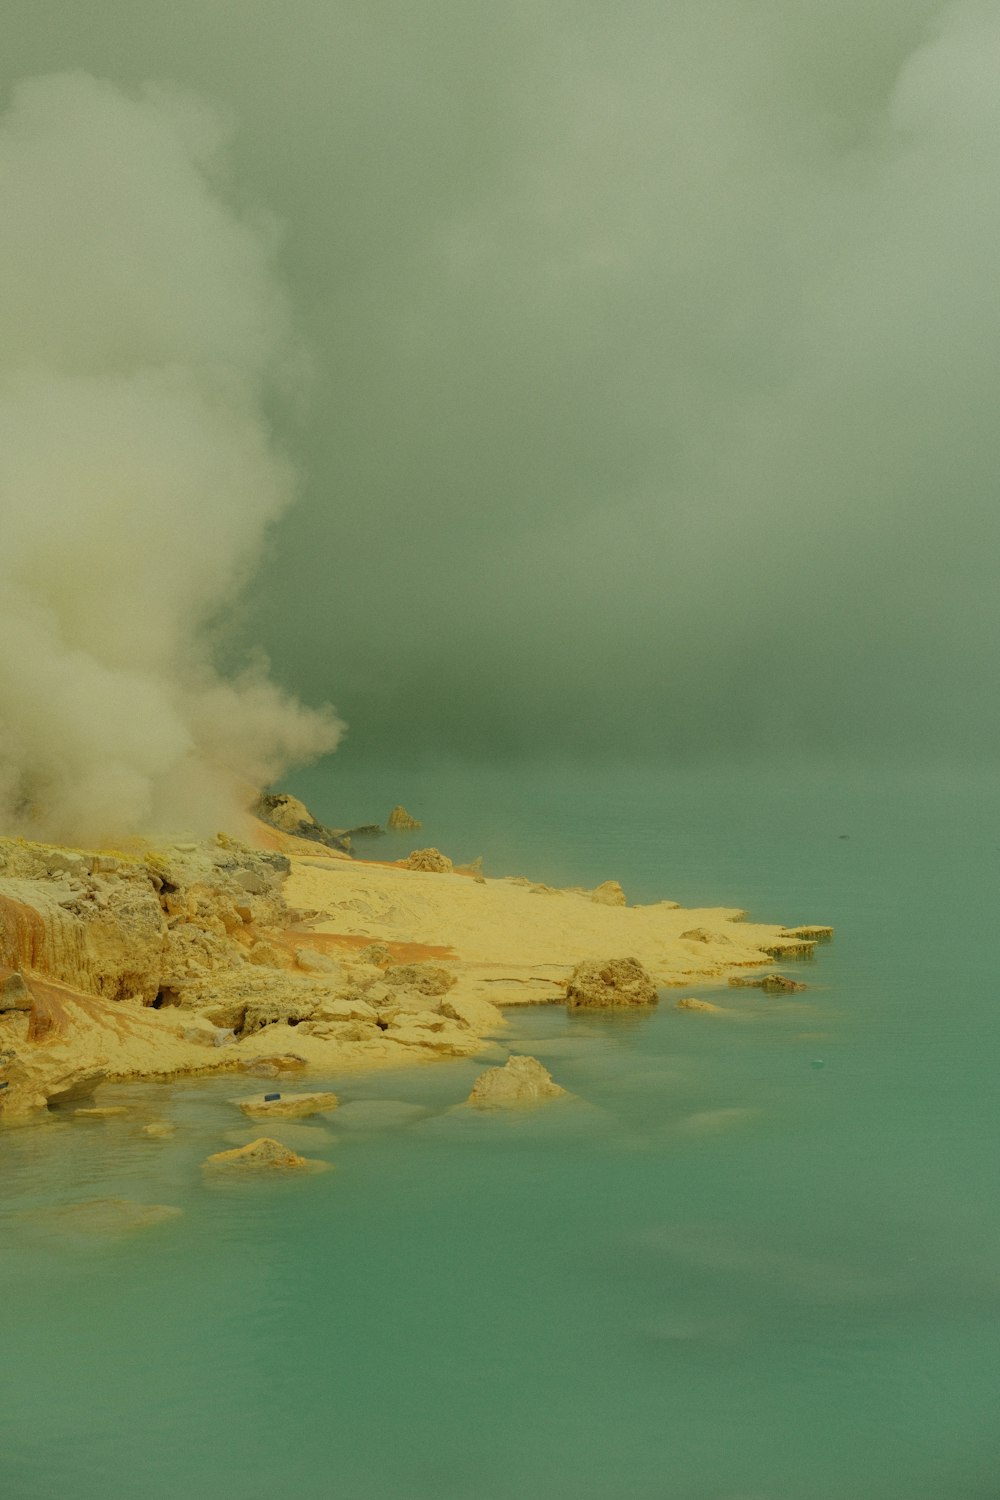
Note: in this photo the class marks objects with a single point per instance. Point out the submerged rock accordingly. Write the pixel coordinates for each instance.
(105, 1217)
(287, 1106)
(775, 984)
(264, 1152)
(522, 1080)
(615, 982)
(690, 1003)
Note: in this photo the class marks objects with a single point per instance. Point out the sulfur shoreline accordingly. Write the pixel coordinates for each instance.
(226, 957)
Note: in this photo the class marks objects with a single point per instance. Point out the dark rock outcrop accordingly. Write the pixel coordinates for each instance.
(292, 816)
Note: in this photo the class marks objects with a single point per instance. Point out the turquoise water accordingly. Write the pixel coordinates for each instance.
(757, 1261)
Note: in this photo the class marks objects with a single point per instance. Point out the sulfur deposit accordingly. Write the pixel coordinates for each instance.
(521, 1081)
(262, 1154)
(616, 981)
(289, 957)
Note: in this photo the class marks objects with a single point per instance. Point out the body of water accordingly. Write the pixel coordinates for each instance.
(756, 1259)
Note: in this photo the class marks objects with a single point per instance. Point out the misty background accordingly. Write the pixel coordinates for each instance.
(650, 353)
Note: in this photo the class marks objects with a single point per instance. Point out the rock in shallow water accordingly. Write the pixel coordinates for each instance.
(522, 1080)
(773, 984)
(287, 1106)
(261, 1153)
(615, 982)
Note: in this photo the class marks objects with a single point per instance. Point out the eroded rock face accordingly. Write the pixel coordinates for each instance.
(29, 1084)
(292, 816)
(615, 982)
(131, 928)
(269, 1009)
(521, 1081)
(263, 1153)
(431, 860)
(286, 812)
(104, 1218)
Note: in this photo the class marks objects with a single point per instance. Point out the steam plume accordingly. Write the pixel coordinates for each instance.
(143, 333)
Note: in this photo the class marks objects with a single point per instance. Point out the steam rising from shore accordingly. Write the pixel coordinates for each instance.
(143, 333)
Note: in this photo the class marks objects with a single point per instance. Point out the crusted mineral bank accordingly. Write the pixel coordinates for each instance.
(289, 957)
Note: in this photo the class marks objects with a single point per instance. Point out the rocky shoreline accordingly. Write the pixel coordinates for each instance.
(287, 956)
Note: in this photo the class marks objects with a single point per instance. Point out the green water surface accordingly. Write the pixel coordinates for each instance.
(755, 1259)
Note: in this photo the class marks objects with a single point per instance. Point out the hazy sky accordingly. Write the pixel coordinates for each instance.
(655, 359)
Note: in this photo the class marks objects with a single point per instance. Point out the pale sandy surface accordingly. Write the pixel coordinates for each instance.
(516, 944)
(503, 941)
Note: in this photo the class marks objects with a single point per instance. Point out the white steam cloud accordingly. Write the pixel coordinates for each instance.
(142, 332)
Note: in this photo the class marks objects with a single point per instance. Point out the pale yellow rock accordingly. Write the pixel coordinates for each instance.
(615, 982)
(263, 1153)
(431, 861)
(289, 814)
(703, 935)
(278, 1007)
(14, 991)
(103, 937)
(280, 1062)
(521, 1081)
(319, 963)
(512, 948)
(425, 979)
(100, 1112)
(481, 1016)
(690, 1003)
(348, 1009)
(159, 1130)
(286, 1106)
(433, 1033)
(608, 893)
(376, 954)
